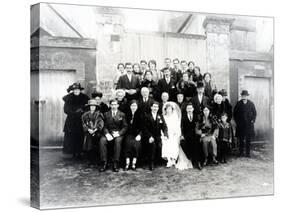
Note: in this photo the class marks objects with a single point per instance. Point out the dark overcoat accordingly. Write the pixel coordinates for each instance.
(73, 108)
(245, 117)
(73, 130)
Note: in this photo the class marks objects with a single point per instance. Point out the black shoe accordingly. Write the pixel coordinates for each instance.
(199, 166)
(104, 167)
(115, 167)
(215, 161)
(151, 166)
(205, 162)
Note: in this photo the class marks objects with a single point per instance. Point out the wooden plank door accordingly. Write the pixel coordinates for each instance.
(52, 87)
(259, 89)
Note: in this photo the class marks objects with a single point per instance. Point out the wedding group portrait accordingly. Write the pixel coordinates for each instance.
(138, 106)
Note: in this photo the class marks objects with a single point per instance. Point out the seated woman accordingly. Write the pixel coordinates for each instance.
(150, 84)
(93, 123)
(122, 101)
(206, 128)
(134, 135)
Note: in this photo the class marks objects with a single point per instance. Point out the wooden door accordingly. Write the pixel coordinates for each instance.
(259, 89)
(49, 106)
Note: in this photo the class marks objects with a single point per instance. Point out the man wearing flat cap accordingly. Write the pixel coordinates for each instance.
(245, 116)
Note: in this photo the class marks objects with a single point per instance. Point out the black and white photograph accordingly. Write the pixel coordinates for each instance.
(131, 106)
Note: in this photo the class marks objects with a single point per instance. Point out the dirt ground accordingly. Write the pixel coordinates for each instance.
(68, 183)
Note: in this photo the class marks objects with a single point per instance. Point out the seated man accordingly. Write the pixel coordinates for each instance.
(154, 124)
(145, 101)
(115, 127)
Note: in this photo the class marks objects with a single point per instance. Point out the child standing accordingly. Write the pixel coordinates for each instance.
(224, 137)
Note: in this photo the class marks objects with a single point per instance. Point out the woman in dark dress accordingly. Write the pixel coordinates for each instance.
(74, 103)
(134, 135)
(102, 107)
(150, 84)
(187, 87)
(207, 129)
(197, 76)
(122, 101)
(210, 88)
(137, 71)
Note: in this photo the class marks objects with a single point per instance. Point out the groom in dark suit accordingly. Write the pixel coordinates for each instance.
(154, 124)
(129, 82)
(190, 144)
(115, 127)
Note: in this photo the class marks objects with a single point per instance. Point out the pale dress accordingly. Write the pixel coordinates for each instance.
(171, 147)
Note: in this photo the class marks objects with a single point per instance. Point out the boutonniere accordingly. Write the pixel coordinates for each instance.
(160, 120)
(173, 86)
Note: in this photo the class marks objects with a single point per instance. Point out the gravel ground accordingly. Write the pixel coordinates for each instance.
(68, 183)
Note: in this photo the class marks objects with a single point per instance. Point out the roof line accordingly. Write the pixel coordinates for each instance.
(64, 20)
(184, 23)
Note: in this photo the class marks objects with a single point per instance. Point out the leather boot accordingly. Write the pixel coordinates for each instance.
(103, 167)
(115, 167)
(151, 166)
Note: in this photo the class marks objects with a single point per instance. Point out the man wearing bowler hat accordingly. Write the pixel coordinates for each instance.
(245, 116)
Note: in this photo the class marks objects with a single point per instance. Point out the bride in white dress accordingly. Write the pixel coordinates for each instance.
(171, 149)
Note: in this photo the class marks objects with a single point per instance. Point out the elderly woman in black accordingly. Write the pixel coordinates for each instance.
(74, 103)
(102, 107)
(150, 84)
(207, 129)
(134, 135)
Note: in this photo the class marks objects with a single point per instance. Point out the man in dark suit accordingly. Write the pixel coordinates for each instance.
(168, 65)
(190, 143)
(154, 124)
(176, 73)
(168, 84)
(245, 116)
(145, 102)
(115, 127)
(200, 100)
(129, 82)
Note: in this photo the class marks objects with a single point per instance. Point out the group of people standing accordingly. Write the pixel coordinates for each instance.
(173, 115)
